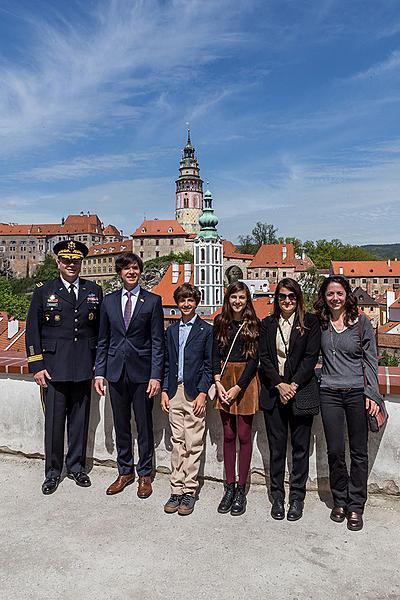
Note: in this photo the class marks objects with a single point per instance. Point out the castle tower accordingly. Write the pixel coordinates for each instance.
(189, 190)
(209, 260)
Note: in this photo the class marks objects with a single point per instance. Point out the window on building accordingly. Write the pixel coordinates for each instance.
(110, 269)
(385, 280)
(141, 242)
(353, 281)
(283, 273)
(375, 281)
(202, 255)
(185, 203)
(273, 273)
(141, 254)
(171, 242)
(371, 309)
(217, 296)
(157, 253)
(202, 275)
(216, 255)
(255, 274)
(396, 280)
(173, 311)
(157, 242)
(364, 280)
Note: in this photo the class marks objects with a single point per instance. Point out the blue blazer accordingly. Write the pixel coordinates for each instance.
(140, 348)
(197, 366)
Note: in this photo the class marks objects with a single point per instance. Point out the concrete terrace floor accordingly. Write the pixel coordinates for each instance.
(81, 544)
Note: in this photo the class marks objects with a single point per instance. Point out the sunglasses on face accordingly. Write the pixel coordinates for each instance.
(291, 297)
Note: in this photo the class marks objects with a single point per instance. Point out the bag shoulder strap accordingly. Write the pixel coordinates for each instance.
(231, 347)
(286, 349)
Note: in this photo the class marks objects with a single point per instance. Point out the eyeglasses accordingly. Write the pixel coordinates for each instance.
(291, 297)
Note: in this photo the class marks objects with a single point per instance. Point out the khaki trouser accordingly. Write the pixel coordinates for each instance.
(187, 443)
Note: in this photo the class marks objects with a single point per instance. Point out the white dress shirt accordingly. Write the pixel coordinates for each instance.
(74, 283)
(134, 297)
(286, 328)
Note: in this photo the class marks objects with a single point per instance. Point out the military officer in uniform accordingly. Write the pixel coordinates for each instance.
(61, 340)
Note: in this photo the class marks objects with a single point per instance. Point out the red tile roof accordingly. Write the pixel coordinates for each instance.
(230, 251)
(73, 224)
(272, 256)
(111, 248)
(158, 227)
(366, 268)
(111, 230)
(17, 342)
(165, 288)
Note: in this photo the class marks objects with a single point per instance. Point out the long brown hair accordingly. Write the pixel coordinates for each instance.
(293, 286)
(322, 309)
(250, 330)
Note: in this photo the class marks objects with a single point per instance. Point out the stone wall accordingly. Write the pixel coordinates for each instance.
(21, 431)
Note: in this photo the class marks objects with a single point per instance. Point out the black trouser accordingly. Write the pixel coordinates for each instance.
(336, 406)
(70, 400)
(277, 421)
(124, 394)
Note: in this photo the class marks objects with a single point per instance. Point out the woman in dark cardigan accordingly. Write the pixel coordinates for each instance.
(288, 349)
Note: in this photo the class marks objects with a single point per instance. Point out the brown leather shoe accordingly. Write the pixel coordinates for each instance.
(144, 487)
(120, 484)
(354, 521)
(338, 514)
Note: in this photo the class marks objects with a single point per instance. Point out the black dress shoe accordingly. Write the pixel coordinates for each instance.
(295, 511)
(239, 502)
(338, 514)
(80, 479)
(354, 521)
(50, 485)
(278, 509)
(227, 499)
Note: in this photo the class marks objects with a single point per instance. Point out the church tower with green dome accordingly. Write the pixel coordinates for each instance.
(209, 260)
(189, 190)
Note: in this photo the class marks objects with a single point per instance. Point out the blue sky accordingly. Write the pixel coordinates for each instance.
(293, 107)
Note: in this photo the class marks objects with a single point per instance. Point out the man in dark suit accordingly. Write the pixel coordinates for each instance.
(187, 379)
(130, 356)
(61, 339)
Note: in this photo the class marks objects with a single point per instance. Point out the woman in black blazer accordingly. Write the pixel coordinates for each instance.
(289, 348)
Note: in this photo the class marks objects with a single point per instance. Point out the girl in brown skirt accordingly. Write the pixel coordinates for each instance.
(236, 332)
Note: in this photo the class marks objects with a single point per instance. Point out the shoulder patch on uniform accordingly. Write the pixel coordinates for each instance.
(39, 284)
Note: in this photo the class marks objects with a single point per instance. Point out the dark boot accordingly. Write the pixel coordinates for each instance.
(239, 502)
(227, 499)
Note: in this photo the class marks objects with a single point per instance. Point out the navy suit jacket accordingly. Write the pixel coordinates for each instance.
(140, 348)
(197, 366)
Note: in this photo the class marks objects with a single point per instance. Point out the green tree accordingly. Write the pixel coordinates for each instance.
(310, 282)
(323, 251)
(47, 270)
(297, 244)
(172, 257)
(15, 305)
(262, 233)
(246, 244)
(388, 360)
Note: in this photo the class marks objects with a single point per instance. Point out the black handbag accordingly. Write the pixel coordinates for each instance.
(306, 401)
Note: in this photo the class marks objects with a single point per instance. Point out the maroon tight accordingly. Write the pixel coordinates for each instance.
(239, 426)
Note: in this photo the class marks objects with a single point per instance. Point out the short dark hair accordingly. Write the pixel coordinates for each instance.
(127, 258)
(187, 290)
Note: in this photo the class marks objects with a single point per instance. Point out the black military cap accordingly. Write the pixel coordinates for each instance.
(70, 249)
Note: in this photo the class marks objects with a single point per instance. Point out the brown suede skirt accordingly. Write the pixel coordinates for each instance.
(247, 402)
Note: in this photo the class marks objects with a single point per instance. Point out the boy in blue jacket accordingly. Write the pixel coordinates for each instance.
(188, 376)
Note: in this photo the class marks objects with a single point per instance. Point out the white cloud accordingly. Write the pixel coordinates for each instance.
(91, 73)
